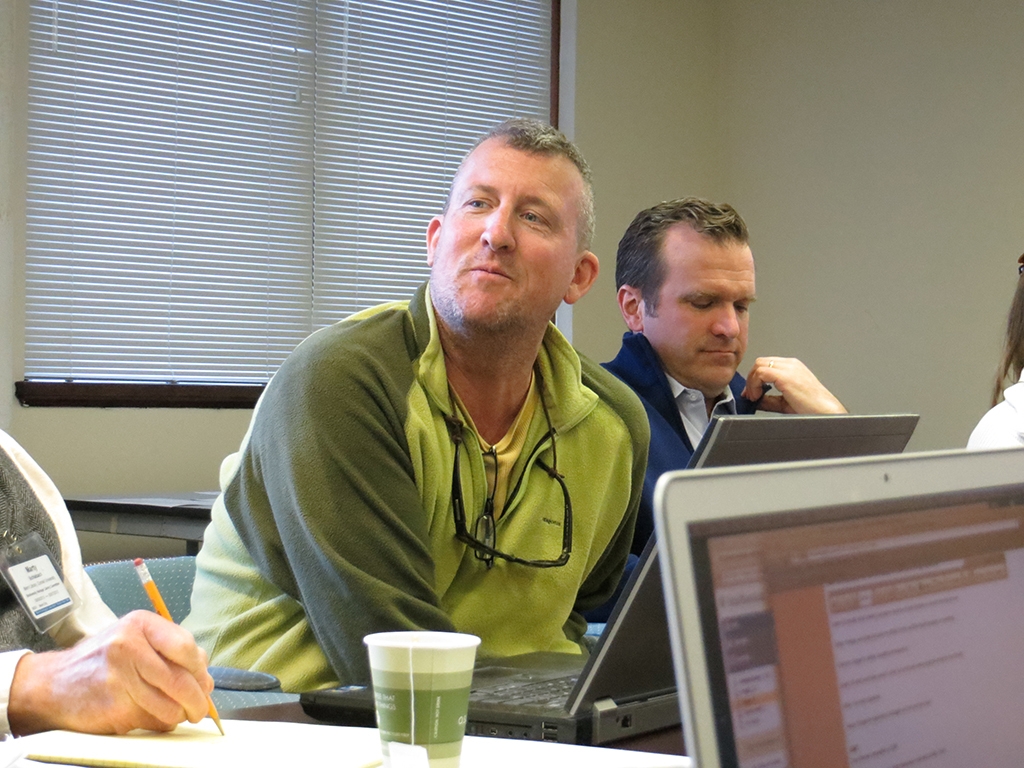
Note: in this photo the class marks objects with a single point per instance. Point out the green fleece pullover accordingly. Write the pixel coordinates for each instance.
(335, 519)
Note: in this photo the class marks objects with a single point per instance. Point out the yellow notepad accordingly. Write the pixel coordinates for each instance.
(201, 746)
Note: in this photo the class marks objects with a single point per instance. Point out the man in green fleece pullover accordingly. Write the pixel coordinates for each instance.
(447, 462)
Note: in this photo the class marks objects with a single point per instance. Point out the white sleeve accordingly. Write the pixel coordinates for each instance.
(1001, 427)
(92, 614)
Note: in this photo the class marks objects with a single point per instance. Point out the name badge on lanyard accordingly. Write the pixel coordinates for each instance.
(32, 574)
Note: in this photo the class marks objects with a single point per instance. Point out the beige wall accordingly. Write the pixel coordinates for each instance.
(875, 149)
(646, 119)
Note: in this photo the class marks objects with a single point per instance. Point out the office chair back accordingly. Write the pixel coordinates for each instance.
(121, 590)
(119, 586)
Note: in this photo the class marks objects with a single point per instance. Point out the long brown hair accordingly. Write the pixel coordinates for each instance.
(1013, 349)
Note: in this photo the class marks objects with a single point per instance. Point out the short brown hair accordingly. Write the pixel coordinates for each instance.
(638, 261)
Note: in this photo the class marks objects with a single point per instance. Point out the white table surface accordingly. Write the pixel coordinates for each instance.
(297, 744)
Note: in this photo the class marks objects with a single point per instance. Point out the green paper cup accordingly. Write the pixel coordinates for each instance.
(421, 686)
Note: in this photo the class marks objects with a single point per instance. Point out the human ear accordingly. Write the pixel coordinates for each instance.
(587, 268)
(631, 305)
(433, 231)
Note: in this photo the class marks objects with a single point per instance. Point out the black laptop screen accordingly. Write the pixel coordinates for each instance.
(884, 634)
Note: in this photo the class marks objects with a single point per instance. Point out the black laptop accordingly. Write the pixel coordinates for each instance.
(625, 687)
(768, 438)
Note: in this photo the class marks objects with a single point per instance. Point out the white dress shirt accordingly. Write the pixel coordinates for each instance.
(694, 410)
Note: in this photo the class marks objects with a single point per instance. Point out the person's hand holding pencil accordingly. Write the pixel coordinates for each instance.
(141, 672)
(161, 608)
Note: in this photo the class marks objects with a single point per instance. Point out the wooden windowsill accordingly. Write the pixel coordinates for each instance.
(74, 394)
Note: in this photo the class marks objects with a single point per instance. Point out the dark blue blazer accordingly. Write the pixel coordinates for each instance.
(638, 365)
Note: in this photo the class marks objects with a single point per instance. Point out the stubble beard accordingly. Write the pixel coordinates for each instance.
(505, 319)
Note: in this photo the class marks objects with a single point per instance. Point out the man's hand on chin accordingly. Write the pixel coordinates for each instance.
(142, 672)
(797, 389)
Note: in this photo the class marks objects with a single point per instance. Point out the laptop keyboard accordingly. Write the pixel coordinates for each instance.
(549, 693)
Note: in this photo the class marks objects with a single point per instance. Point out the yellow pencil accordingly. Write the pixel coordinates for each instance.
(161, 608)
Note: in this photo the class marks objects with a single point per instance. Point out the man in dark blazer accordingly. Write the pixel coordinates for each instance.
(685, 279)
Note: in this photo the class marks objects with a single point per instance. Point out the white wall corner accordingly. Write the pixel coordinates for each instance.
(13, 74)
(566, 114)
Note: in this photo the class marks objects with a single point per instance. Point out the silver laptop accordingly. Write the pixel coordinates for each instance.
(851, 612)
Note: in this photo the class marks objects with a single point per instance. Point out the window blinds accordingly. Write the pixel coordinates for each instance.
(211, 181)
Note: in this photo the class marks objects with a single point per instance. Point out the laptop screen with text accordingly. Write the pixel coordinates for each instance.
(879, 633)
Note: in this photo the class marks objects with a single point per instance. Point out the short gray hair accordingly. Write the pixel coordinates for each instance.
(538, 138)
